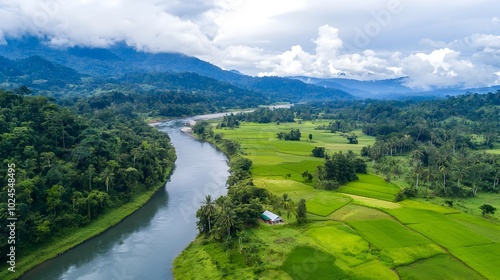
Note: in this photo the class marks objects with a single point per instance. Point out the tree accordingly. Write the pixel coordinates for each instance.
(286, 203)
(48, 156)
(307, 176)
(353, 138)
(318, 152)
(293, 135)
(417, 170)
(68, 159)
(107, 175)
(444, 171)
(487, 209)
(476, 173)
(301, 211)
(54, 197)
(226, 220)
(208, 209)
(310, 137)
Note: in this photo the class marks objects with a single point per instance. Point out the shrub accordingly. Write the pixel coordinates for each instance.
(487, 209)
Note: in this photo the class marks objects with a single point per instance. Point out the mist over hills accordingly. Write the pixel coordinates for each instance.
(389, 89)
(29, 61)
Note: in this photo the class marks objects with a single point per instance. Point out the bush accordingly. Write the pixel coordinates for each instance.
(487, 209)
(318, 152)
(327, 185)
(293, 135)
(406, 193)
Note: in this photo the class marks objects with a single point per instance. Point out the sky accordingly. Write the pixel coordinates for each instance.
(436, 44)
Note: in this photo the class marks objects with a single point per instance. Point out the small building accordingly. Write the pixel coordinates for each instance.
(271, 218)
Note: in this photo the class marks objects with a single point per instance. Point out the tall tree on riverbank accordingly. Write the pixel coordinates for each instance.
(208, 209)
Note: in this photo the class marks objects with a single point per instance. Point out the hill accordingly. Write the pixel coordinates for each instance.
(389, 88)
(120, 60)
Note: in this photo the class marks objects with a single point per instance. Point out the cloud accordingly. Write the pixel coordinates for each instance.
(329, 60)
(434, 43)
(443, 67)
(146, 25)
(485, 42)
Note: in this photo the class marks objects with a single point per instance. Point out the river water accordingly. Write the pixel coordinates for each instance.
(144, 245)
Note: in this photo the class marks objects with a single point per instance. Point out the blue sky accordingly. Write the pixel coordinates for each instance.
(435, 43)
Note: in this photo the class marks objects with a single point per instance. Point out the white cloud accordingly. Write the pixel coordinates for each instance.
(145, 25)
(435, 43)
(328, 42)
(443, 67)
(485, 42)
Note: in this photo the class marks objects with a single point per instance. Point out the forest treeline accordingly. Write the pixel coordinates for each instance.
(434, 144)
(71, 168)
(261, 115)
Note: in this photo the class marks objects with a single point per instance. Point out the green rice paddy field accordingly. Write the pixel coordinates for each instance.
(356, 232)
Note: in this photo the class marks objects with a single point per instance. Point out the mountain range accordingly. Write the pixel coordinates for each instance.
(390, 88)
(31, 62)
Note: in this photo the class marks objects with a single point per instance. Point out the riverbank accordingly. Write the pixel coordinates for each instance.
(80, 235)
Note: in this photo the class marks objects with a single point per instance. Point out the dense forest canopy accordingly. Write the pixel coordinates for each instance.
(70, 168)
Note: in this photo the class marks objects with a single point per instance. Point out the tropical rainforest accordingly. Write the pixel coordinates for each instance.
(70, 168)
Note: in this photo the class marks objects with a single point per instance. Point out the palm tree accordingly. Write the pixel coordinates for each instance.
(443, 170)
(108, 176)
(208, 209)
(286, 203)
(226, 219)
(416, 156)
(417, 171)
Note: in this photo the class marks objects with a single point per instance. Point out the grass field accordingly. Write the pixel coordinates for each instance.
(356, 232)
(438, 267)
(398, 243)
(318, 202)
(304, 261)
(372, 186)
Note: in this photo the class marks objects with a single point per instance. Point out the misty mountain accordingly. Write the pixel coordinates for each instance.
(120, 60)
(36, 72)
(389, 88)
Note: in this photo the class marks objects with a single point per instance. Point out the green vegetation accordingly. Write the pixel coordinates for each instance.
(81, 169)
(318, 152)
(293, 135)
(262, 115)
(432, 268)
(355, 232)
(76, 236)
(487, 209)
(373, 186)
(72, 169)
(302, 211)
(430, 143)
(338, 170)
(305, 261)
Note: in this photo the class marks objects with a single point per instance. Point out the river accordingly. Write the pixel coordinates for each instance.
(144, 245)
